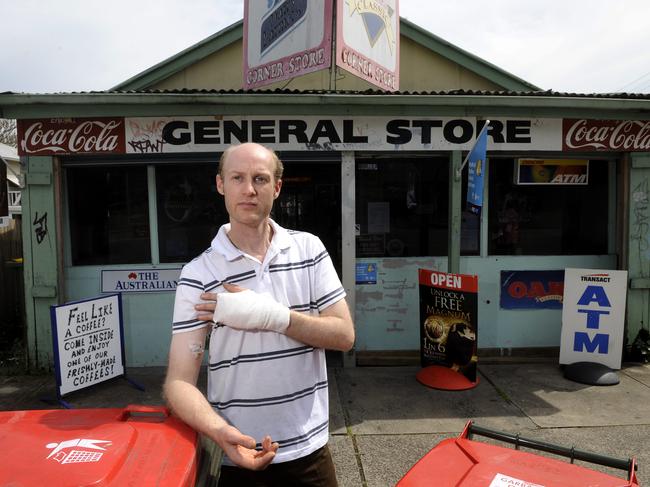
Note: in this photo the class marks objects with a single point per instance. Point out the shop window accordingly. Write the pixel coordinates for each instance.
(547, 219)
(402, 208)
(310, 201)
(190, 210)
(109, 215)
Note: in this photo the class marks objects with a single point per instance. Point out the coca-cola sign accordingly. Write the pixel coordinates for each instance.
(606, 135)
(59, 136)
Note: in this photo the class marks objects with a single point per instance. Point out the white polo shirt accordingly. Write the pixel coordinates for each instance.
(263, 382)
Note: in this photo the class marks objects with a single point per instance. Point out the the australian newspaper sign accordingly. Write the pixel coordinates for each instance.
(159, 135)
(140, 280)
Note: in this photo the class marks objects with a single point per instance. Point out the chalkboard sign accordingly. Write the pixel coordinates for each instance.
(88, 342)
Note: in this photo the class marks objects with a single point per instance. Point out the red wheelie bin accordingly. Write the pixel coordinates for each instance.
(465, 462)
(137, 445)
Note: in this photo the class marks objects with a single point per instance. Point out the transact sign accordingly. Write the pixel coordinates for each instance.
(593, 316)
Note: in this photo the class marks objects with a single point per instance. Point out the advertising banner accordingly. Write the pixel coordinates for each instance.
(606, 135)
(88, 342)
(140, 280)
(552, 171)
(55, 136)
(593, 316)
(367, 41)
(476, 173)
(531, 289)
(284, 39)
(449, 321)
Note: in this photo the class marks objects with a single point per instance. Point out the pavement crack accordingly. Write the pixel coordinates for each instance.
(352, 436)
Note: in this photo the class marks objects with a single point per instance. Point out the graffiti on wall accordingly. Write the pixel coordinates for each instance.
(40, 227)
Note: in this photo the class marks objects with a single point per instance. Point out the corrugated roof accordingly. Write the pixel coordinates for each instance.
(505, 93)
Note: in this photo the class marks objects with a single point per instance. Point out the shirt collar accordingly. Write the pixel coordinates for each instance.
(222, 244)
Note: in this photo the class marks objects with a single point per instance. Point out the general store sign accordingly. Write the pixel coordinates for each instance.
(157, 135)
(161, 135)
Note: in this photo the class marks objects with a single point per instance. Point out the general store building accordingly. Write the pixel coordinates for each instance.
(120, 189)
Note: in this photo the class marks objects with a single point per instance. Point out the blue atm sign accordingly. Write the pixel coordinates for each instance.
(593, 316)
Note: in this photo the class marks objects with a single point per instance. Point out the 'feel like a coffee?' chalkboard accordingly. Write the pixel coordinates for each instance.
(88, 343)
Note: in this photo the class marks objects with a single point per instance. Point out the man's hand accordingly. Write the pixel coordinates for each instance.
(240, 449)
(244, 309)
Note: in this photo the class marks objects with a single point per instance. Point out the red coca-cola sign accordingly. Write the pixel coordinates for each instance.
(59, 136)
(606, 135)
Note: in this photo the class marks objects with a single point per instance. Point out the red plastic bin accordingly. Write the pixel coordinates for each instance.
(137, 445)
(465, 462)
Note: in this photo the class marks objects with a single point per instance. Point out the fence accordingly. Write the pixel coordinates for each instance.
(12, 315)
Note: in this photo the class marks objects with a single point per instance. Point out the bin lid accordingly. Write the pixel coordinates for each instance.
(463, 462)
(96, 447)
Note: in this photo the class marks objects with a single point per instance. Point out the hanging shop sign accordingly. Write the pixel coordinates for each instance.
(552, 171)
(88, 342)
(367, 41)
(140, 280)
(606, 135)
(449, 321)
(284, 39)
(593, 316)
(531, 289)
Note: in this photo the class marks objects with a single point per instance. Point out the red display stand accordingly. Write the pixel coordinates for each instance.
(461, 462)
(138, 445)
(444, 378)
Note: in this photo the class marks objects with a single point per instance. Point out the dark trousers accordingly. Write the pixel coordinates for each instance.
(316, 469)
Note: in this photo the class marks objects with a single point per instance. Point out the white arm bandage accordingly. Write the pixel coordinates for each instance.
(248, 310)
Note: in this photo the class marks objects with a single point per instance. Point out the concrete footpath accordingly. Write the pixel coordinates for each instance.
(383, 420)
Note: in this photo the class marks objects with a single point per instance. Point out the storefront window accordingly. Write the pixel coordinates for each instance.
(402, 208)
(109, 215)
(190, 211)
(310, 201)
(547, 219)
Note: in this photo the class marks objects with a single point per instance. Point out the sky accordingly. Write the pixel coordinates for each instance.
(575, 46)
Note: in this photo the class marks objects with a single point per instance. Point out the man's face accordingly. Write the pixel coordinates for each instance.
(248, 184)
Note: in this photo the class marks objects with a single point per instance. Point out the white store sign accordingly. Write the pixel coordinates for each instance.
(593, 315)
(146, 135)
(140, 280)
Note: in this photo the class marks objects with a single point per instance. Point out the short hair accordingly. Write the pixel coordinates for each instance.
(279, 167)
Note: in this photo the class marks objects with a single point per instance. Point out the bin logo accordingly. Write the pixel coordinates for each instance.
(78, 450)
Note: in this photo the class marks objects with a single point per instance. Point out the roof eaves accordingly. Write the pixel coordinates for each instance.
(183, 59)
(465, 59)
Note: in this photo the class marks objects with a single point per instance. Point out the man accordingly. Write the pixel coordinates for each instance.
(276, 304)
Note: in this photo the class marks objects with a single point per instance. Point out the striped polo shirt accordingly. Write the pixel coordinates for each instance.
(263, 382)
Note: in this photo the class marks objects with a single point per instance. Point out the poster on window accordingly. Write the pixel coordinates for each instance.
(88, 342)
(532, 289)
(552, 171)
(449, 321)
